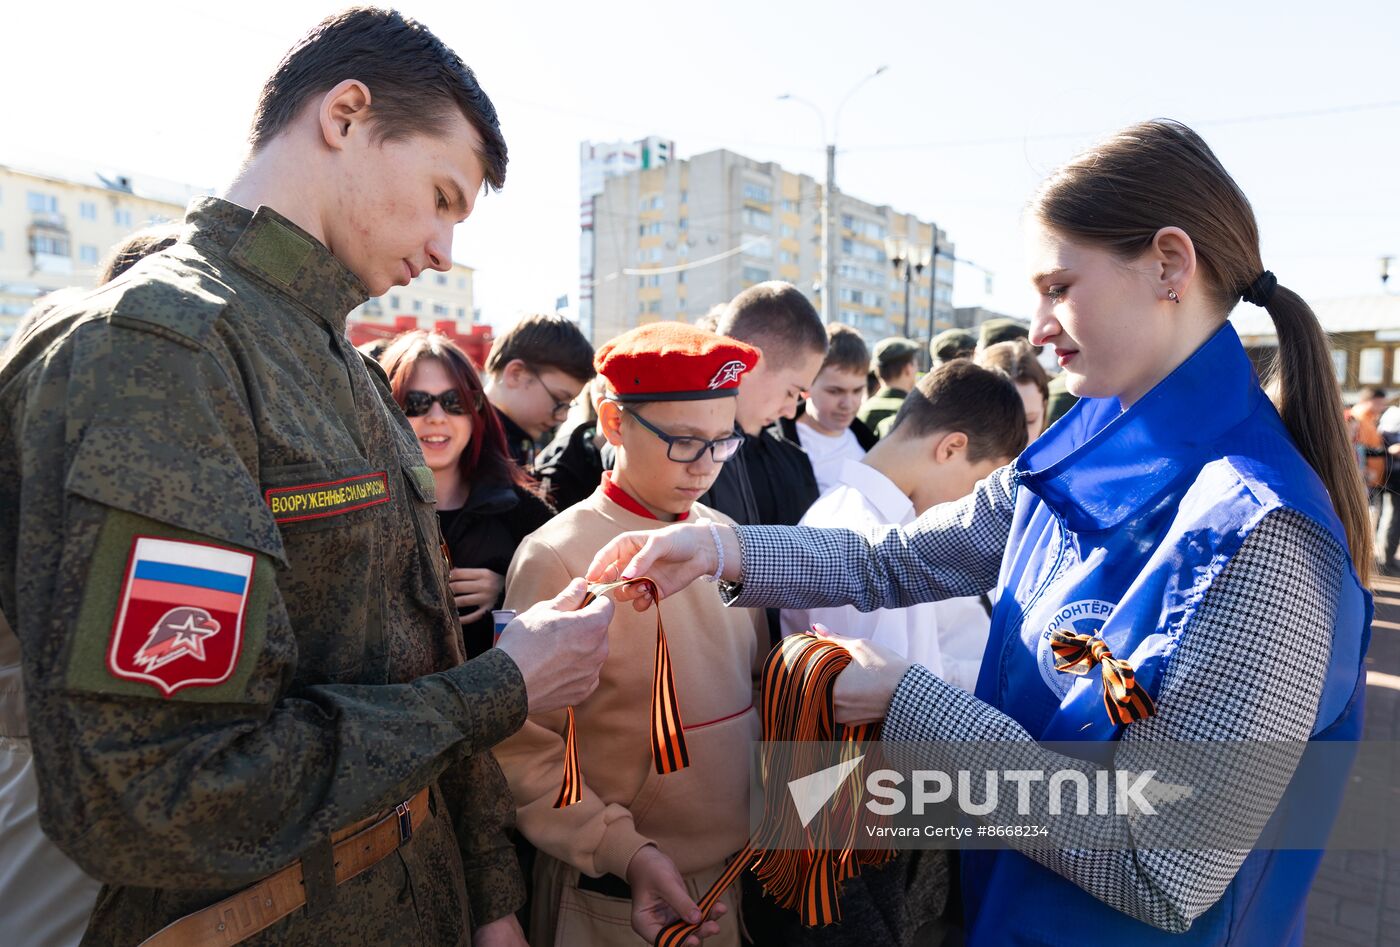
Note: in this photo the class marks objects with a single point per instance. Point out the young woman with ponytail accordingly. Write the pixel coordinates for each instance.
(1199, 545)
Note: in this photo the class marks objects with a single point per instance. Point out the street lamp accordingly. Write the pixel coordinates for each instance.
(828, 228)
(913, 258)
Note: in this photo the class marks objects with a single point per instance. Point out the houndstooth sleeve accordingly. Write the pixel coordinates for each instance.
(1250, 667)
(954, 549)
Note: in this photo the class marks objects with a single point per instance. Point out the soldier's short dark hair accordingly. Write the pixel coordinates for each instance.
(893, 356)
(543, 340)
(777, 319)
(961, 396)
(413, 78)
(846, 350)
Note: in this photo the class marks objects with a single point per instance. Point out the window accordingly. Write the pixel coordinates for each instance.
(122, 218)
(787, 231)
(40, 203)
(757, 219)
(790, 206)
(393, 302)
(440, 310)
(654, 306)
(649, 230)
(1371, 367)
(461, 312)
(685, 195)
(787, 256)
(683, 223)
(44, 243)
(758, 193)
(680, 278)
(755, 274)
(461, 282)
(755, 245)
(442, 279)
(418, 305)
(87, 210)
(87, 253)
(651, 202)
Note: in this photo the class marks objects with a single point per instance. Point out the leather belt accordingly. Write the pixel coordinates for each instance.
(241, 915)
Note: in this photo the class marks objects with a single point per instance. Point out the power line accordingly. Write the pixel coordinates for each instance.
(1058, 136)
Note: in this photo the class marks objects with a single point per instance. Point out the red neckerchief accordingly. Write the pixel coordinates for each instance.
(625, 500)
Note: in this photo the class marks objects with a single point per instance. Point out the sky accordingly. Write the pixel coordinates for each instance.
(979, 102)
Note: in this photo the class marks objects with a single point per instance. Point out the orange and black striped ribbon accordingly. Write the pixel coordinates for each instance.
(1123, 697)
(668, 749)
(800, 868)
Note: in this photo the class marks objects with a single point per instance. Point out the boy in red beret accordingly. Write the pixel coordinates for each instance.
(640, 848)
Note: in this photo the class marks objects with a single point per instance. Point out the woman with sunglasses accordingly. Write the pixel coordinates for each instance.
(486, 503)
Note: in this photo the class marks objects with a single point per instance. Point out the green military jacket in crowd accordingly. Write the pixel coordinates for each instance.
(219, 550)
(883, 404)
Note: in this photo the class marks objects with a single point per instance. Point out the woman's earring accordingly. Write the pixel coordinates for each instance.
(1171, 294)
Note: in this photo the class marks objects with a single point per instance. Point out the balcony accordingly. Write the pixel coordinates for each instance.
(48, 220)
(53, 263)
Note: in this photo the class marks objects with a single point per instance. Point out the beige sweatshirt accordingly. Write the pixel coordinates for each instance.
(697, 816)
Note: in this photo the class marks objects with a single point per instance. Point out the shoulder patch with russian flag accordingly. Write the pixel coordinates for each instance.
(180, 614)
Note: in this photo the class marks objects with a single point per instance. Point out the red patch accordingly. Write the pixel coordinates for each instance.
(180, 614)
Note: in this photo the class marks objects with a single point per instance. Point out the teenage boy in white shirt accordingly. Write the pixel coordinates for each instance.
(959, 424)
(826, 425)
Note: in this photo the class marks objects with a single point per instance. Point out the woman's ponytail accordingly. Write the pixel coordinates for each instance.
(1304, 389)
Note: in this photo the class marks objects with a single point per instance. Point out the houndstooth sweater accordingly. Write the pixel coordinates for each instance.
(1250, 667)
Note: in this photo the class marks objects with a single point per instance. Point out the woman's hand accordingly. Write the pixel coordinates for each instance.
(672, 557)
(659, 897)
(503, 932)
(475, 587)
(863, 691)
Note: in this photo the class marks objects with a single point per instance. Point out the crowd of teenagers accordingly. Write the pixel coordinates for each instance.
(297, 645)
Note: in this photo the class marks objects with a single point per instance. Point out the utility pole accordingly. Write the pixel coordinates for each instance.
(828, 211)
(828, 232)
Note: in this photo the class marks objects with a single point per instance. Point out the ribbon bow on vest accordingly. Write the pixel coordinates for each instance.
(668, 750)
(801, 867)
(1123, 697)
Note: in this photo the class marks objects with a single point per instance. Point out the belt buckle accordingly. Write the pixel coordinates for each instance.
(405, 821)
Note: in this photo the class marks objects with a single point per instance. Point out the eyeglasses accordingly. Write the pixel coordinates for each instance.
(687, 450)
(418, 403)
(560, 404)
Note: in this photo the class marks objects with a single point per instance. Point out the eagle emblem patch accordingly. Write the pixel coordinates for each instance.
(180, 613)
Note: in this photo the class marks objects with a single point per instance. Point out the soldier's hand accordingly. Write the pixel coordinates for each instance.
(504, 932)
(673, 558)
(478, 589)
(659, 897)
(560, 647)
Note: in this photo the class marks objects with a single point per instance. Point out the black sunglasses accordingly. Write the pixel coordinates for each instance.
(418, 403)
(687, 450)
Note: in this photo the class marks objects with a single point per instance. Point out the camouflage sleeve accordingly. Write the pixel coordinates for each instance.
(482, 809)
(126, 460)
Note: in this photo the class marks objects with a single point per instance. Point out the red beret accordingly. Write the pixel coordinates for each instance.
(672, 361)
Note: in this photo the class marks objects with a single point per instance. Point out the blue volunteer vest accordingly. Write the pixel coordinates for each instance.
(1122, 521)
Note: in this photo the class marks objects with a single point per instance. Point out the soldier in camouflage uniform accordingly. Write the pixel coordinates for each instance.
(219, 550)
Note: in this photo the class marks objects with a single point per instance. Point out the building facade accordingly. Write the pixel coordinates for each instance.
(598, 162)
(57, 226)
(432, 299)
(1363, 333)
(672, 241)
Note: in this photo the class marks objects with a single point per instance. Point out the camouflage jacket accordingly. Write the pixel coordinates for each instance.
(219, 549)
